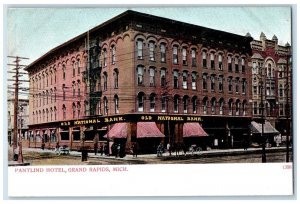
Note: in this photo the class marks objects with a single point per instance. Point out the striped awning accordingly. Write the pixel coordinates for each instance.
(268, 128)
(118, 130)
(148, 130)
(193, 130)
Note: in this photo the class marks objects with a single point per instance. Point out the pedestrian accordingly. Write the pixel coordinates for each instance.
(118, 150)
(169, 149)
(160, 150)
(43, 144)
(57, 147)
(101, 149)
(135, 149)
(96, 140)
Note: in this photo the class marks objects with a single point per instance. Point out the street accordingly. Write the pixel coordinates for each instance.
(48, 157)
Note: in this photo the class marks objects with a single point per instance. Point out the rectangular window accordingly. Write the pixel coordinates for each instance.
(194, 78)
(230, 84)
(152, 78)
(212, 80)
(204, 82)
(140, 75)
(220, 83)
(175, 79)
(255, 108)
(184, 80)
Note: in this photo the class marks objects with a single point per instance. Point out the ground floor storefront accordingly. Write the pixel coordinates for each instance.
(121, 134)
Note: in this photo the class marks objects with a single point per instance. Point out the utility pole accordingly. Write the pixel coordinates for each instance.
(264, 157)
(287, 106)
(17, 143)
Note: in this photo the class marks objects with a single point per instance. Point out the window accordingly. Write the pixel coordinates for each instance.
(237, 81)
(51, 96)
(64, 112)
(221, 105)
(184, 79)
(105, 102)
(78, 109)
(220, 59)
(104, 57)
(140, 75)
(184, 59)
(64, 71)
(176, 103)
(105, 81)
(237, 107)
(194, 101)
(213, 106)
(281, 109)
(254, 68)
(74, 68)
(272, 88)
(163, 104)
(64, 91)
(47, 115)
(151, 51)
(243, 65)
(54, 94)
(205, 101)
(194, 81)
(221, 83)
(212, 83)
(78, 88)
(204, 81)
(141, 102)
(175, 79)
(194, 60)
(78, 66)
(162, 52)
(140, 49)
(230, 84)
(47, 97)
(116, 78)
(99, 107)
(113, 54)
(51, 114)
(175, 55)
(212, 60)
(230, 107)
(244, 107)
(254, 90)
(55, 113)
(73, 88)
(280, 90)
(152, 76)
(185, 104)
(44, 96)
(116, 100)
(204, 62)
(244, 86)
(51, 77)
(269, 71)
(152, 103)
(74, 110)
(236, 64)
(163, 77)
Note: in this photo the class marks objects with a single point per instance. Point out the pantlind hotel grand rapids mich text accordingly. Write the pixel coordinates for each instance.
(151, 80)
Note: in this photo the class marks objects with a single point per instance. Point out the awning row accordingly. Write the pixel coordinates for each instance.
(150, 130)
(268, 128)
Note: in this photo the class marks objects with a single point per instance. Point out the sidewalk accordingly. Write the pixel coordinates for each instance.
(208, 153)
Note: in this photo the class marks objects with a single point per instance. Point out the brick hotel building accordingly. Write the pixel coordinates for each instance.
(146, 79)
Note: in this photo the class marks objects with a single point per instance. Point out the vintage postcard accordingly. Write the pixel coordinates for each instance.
(149, 101)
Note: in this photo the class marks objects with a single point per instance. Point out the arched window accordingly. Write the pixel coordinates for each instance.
(74, 68)
(185, 104)
(194, 59)
(64, 71)
(113, 54)
(163, 82)
(213, 106)
(204, 61)
(47, 115)
(176, 103)
(54, 94)
(163, 52)
(236, 64)
(184, 56)
(47, 97)
(212, 60)
(184, 79)
(212, 83)
(140, 97)
(139, 48)
(230, 84)
(152, 76)
(175, 54)
(51, 114)
(55, 113)
(244, 86)
(104, 57)
(221, 105)
(64, 109)
(163, 103)
(205, 102)
(105, 102)
(244, 107)
(140, 75)
(73, 88)
(78, 88)
(105, 81)
(116, 101)
(99, 107)
(243, 65)
(151, 51)
(194, 81)
(78, 66)
(230, 107)
(175, 79)
(220, 60)
(204, 81)
(237, 107)
(194, 101)
(237, 83)
(152, 102)
(116, 78)
(74, 110)
(64, 91)
(43, 115)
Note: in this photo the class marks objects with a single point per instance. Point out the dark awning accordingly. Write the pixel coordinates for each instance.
(119, 130)
(268, 128)
(148, 129)
(193, 130)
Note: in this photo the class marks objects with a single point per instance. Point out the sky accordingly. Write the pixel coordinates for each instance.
(31, 32)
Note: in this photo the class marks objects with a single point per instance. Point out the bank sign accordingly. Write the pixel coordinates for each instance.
(132, 118)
